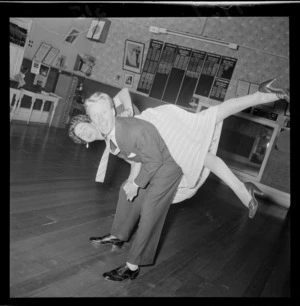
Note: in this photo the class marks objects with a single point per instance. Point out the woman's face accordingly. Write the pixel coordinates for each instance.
(86, 131)
(102, 115)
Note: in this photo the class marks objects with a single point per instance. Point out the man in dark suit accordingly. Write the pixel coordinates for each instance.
(146, 195)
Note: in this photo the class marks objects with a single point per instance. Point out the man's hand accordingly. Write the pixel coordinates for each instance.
(131, 190)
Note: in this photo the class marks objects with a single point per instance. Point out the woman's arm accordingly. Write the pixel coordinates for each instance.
(123, 98)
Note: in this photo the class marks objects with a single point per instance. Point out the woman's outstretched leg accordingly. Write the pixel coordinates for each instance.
(244, 191)
(236, 105)
(218, 167)
(265, 94)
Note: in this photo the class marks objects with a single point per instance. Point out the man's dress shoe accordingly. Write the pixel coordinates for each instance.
(101, 240)
(121, 273)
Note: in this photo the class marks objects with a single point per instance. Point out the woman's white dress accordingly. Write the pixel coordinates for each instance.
(189, 136)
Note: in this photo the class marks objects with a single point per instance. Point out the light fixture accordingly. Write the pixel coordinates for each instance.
(157, 30)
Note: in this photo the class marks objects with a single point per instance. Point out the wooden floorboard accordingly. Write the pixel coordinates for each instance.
(208, 248)
(279, 280)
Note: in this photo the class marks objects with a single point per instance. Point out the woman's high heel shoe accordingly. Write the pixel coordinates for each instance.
(253, 204)
(280, 92)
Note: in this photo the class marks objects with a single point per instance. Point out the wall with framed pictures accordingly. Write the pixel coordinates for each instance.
(178, 70)
(67, 35)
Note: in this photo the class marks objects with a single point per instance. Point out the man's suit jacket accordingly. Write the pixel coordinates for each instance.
(139, 141)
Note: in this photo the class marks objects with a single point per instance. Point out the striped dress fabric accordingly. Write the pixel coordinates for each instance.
(188, 136)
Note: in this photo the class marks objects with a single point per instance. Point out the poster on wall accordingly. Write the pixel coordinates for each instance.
(98, 30)
(226, 68)
(242, 88)
(85, 63)
(219, 89)
(191, 77)
(72, 36)
(253, 88)
(164, 68)
(49, 58)
(209, 71)
(44, 70)
(128, 79)
(41, 52)
(194, 103)
(150, 66)
(35, 67)
(60, 61)
(133, 56)
(223, 77)
(177, 73)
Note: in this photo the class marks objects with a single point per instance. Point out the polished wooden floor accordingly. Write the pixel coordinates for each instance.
(209, 246)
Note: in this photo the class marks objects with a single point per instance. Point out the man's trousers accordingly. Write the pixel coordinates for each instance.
(149, 209)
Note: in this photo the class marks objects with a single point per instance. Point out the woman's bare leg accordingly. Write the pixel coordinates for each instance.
(218, 167)
(236, 105)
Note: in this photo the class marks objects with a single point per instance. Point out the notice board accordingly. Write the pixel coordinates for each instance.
(173, 73)
(165, 65)
(150, 66)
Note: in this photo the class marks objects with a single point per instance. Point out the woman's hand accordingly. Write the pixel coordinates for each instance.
(127, 113)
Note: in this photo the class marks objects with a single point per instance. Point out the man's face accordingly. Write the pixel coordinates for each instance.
(102, 115)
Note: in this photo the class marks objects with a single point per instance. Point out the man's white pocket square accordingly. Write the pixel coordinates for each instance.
(131, 155)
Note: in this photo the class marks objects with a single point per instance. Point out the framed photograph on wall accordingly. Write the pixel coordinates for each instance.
(60, 61)
(253, 88)
(40, 79)
(98, 30)
(128, 79)
(84, 63)
(35, 67)
(41, 52)
(51, 56)
(133, 56)
(44, 70)
(72, 36)
(242, 88)
(194, 103)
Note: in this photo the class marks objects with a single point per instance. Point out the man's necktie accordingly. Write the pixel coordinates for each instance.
(113, 147)
(103, 164)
